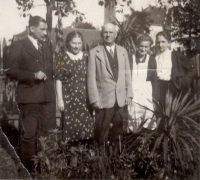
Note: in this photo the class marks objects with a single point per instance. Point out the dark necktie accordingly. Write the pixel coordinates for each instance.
(111, 53)
(39, 46)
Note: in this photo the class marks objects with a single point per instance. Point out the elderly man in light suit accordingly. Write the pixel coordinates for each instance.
(109, 84)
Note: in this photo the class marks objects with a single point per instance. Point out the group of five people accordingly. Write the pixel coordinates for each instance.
(107, 80)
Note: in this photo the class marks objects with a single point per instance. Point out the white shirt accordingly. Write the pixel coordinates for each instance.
(111, 47)
(164, 65)
(34, 41)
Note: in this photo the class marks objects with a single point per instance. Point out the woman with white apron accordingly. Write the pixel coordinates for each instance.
(143, 69)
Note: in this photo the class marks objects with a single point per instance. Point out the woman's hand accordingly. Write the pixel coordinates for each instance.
(60, 104)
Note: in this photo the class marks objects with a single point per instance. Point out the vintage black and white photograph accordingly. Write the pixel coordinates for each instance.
(100, 89)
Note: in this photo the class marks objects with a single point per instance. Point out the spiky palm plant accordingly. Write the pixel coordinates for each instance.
(177, 136)
(135, 24)
(172, 150)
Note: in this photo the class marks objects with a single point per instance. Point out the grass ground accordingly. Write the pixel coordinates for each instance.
(7, 166)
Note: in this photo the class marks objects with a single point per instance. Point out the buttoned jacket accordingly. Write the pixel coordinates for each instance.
(23, 61)
(100, 80)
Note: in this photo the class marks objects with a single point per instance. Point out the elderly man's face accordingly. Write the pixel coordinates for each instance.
(109, 34)
(39, 32)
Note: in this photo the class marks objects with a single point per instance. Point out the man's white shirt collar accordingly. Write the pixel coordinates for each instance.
(111, 47)
(34, 41)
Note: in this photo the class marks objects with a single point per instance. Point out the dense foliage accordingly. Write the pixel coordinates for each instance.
(83, 25)
(67, 7)
(184, 20)
(171, 151)
(136, 23)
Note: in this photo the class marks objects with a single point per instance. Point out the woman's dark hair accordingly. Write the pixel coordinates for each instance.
(165, 35)
(144, 37)
(72, 35)
(35, 21)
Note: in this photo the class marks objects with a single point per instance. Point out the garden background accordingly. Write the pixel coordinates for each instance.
(153, 149)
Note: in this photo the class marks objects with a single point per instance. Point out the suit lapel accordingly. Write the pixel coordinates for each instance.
(45, 50)
(30, 48)
(101, 55)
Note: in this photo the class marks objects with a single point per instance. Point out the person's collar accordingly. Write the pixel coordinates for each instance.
(75, 56)
(34, 41)
(163, 53)
(140, 59)
(110, 47)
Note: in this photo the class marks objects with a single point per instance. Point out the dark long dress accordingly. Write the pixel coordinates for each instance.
(78, 123)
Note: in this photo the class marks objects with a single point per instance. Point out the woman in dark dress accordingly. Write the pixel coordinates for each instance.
(71, 90)
(172, 69)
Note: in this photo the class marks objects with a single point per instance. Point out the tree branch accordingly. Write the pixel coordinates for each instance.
(47, 2)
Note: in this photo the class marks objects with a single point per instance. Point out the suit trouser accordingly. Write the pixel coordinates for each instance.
(104, 117)
(36, 120)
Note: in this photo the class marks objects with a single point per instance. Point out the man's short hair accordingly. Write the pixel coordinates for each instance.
(110, 22)
(35, 21)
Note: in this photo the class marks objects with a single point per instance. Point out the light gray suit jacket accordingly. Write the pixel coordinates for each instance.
(101, 84)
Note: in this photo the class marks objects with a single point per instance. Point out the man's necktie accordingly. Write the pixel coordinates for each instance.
(39, 46)
(111, 53)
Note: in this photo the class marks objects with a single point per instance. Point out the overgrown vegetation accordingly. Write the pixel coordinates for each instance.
(171, 151)
(183, 21)
(136, 23)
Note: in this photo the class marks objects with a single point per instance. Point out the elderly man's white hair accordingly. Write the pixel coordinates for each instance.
(112, 23)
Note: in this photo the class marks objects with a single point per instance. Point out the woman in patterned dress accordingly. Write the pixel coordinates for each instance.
(71, 90)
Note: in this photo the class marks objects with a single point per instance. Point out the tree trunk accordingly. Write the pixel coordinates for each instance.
(50, 8)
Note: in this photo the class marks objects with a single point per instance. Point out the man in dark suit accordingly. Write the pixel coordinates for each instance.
(109, 84)
(31, 64)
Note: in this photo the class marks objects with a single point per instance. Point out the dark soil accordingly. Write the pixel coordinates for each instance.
(7, 166)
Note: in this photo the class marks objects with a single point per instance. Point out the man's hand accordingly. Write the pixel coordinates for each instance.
(97, 105)
(60, 105)
(40, 76)
(128, 101)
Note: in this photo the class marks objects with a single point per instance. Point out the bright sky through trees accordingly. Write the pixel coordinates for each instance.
(12, 23)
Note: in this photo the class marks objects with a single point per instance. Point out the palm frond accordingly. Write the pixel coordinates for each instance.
(157, 144)
(165, 150)
(131, 28)
(187, 148)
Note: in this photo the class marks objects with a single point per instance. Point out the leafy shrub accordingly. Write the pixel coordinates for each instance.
(171, 151)
(81, 160)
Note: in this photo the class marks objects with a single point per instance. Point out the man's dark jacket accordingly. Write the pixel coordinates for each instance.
(25, 60)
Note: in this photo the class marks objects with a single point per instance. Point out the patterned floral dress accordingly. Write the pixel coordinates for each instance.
(78, 123)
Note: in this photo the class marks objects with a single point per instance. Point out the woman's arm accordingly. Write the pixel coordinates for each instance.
(60, 102)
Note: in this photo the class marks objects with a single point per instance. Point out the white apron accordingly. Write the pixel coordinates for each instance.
(142, 94)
